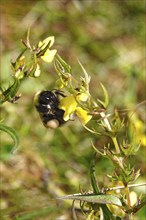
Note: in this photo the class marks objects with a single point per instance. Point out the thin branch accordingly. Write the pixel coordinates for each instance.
(129, 186)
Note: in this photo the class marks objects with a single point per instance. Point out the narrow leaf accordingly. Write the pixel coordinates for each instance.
(105, 102)
(64, 66)
(87, 77)
(10, 92)
(10, 131)
(92, 175)
(27, 38)
(106, 212)
(100, 199)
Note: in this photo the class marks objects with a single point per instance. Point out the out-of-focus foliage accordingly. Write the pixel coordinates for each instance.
(108, 37)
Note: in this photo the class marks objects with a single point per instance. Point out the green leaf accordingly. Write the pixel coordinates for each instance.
(129, 149)
(105, 102)
(10, 131)
(61, 66)
(10, 93)
(106, 212)
(100, 199)
(28, 37)
(92, 175)
(87, 77)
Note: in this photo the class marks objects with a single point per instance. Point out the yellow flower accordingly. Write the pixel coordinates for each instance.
(82, 97)
(49, 54)
(83, 115)
(18, 67)
(68, 104)
(19, 74)
(140, 136)
(46, 42)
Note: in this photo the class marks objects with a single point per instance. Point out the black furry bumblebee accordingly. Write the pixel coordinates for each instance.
(46, 103)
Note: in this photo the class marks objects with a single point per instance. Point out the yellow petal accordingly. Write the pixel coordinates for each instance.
(46, 42)
(49, 55)
(68, 104)
(82, 97)
(19, 74)
(83, 115)
(139, 126)
(133, 197)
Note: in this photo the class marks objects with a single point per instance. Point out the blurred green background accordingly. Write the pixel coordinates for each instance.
(108, 37)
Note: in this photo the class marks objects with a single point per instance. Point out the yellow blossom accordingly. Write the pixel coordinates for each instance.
(46, 42)
(83, 115)
(19, 74)
(49, 54)
(68, 104)
(18, 67)
(139, 126)
(82, 96)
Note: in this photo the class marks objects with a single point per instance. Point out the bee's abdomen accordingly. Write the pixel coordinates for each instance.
(46, 103)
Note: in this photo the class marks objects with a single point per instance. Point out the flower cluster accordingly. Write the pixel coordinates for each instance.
(25, 66)
(70, 105)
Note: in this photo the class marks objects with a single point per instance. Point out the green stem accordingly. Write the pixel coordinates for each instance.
(129, 186)
(116, 145)
(128, 196)
(128, 201)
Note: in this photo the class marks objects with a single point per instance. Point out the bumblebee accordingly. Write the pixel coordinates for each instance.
(46, 103)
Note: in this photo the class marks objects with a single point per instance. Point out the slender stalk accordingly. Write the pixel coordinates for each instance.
(114, 139)
(128, 201)
(129, 186)
(116, 145)
(128, 196)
